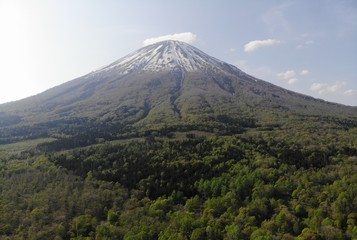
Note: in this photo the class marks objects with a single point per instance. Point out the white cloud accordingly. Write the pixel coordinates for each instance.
(288, 76)
(254, 45)
(350, 92)
(324, 88)
(186, 37)
(304, 72)
(318, 87)
(292, 80)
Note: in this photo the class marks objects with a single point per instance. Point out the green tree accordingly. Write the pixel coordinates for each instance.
(83, 226)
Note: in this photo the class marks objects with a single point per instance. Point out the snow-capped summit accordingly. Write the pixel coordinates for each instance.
(168, 55)
(167, 84)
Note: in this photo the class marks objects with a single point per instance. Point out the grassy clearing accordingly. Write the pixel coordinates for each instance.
(23, 146)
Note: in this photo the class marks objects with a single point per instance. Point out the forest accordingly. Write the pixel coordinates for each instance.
(263, 184)
(168, 143)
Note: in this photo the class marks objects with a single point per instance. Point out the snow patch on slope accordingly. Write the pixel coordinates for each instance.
(167, 55)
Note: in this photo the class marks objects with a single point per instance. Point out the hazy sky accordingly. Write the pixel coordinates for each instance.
(305, 46)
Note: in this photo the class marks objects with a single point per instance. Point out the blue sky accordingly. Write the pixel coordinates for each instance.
(305, 46)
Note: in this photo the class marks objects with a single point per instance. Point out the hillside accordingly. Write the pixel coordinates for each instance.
(171, 143)
(166, 85)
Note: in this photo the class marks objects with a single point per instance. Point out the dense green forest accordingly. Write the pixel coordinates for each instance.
(286, 184)
(169, 143)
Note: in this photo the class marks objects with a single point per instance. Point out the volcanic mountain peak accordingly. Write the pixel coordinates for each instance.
(167, 55)
(169, 83)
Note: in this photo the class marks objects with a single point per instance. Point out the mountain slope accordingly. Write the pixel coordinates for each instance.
(169, 143)
(169, 84)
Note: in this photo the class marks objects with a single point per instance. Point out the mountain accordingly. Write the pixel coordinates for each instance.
(169, 84)
(170, 143)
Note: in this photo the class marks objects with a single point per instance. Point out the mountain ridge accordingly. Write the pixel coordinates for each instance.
(169, 83)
